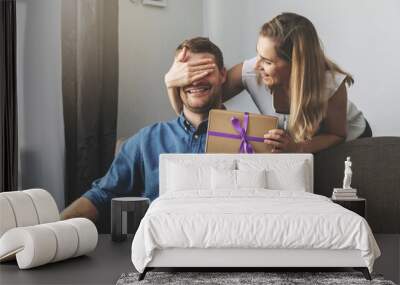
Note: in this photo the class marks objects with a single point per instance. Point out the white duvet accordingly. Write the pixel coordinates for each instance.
(252, 218)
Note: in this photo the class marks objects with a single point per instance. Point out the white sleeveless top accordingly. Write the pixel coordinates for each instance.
(263, 99)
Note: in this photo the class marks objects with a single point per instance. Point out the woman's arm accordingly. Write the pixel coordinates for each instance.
(334, 129)
(174, 99)
(318, 143)
(282, 142)
(233, 84)
(183, 73)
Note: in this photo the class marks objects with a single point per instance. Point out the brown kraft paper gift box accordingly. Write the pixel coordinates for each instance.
(220, 126)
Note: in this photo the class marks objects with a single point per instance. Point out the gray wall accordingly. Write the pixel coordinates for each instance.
(148, 37)
(360, 35)
(40, 119)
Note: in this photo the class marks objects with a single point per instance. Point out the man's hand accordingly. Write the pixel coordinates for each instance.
(80, 208)
(183, 73)
(281, 141)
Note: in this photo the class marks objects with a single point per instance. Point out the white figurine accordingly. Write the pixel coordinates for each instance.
(347, 174)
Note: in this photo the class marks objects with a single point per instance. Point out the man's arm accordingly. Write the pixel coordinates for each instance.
(122, 179)
(81, 207)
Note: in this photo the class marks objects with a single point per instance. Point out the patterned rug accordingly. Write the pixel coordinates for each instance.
(244, 278)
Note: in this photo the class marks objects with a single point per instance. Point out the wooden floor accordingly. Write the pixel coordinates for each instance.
(110, 260)
(389, 262)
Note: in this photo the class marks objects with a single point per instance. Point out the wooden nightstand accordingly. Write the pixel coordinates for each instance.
(358, 205)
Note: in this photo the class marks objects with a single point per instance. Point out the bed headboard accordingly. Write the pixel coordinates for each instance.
(271, 158)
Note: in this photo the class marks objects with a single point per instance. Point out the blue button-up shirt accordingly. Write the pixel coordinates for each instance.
(134, 171)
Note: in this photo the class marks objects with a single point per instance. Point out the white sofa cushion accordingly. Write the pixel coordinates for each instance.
(32, 246)
(40, 244)
(87, 234)
(46, 207)
(66, 237)
(23, 208)
(7, 218)
(26, 208)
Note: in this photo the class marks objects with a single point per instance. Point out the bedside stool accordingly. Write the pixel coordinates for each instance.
(119, 209)
(358, 206)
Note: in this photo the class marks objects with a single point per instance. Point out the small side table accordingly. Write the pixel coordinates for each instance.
(119, 209)
(358, 206)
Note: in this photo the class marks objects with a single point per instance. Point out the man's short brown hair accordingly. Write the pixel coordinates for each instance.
(202, 44)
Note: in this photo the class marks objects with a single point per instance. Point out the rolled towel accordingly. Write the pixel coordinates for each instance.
(40, 244)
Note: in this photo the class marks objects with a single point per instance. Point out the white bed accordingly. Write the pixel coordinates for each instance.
(201, 219)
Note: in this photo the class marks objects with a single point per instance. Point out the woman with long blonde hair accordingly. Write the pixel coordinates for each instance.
(290, 78)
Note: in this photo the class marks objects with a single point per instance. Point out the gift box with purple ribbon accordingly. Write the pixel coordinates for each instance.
(236, 132)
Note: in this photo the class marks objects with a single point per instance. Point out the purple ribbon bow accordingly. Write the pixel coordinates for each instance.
(245, 146)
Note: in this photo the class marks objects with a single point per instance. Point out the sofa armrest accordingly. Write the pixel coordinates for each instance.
(118, 145)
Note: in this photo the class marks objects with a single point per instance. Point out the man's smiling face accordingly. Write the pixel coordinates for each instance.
(205, 94)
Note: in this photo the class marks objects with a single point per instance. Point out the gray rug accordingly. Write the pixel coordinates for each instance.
(243, 278)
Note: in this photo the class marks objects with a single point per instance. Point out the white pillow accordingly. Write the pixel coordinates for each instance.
(281, 175)
(251, 178)
(293, 179)
(237, 179)
(223, 179)
(188, 175)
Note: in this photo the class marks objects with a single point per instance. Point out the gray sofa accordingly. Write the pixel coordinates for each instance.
(376, 175)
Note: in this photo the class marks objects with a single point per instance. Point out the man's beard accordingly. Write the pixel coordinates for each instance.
(213, 103)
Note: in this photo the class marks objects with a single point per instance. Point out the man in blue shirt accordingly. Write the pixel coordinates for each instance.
(134, 171)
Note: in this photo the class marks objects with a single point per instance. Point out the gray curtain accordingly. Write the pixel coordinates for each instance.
(40, 123)
(90, 93)
(8, 98)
